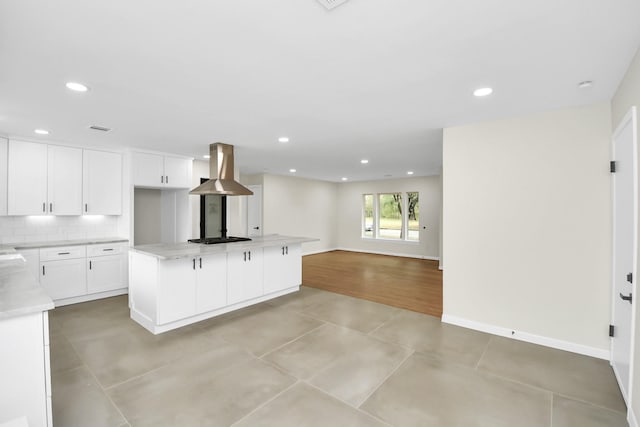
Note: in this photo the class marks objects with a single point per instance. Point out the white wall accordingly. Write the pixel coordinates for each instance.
(628, 95)
(300, 207)
(349, 216)
(527, 226)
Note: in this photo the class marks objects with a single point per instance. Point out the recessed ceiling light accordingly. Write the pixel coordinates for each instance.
(207, 156)
(41, 132)
(283, 139)
(344, 178)
(585, 84)
(77, 87)
(364, 161)
(410, 173)
(292, 170)
(484, 91)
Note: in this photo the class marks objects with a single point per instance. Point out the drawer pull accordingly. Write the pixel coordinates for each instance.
(110, 249)
(64, 253)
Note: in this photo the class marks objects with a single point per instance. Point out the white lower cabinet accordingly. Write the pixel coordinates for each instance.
(282, 267)
(24, 365)
(72, 274)
(176, 289)
(244, 275)
(191, 286)
(105, 273)
(211, 283)
(64, 279)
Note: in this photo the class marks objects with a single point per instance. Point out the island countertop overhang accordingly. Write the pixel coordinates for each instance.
(167, 251)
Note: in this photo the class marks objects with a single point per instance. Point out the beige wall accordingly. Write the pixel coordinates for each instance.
(300, 207)
(628, 95)
(147, 219)
(349, 216)
(527, 225)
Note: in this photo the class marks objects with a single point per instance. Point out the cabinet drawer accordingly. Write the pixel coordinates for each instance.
(106, 249)
(62, 252)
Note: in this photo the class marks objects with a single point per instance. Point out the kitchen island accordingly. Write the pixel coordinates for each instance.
(173, 285)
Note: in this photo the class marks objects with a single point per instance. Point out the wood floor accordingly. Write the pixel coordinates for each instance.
(414, 284)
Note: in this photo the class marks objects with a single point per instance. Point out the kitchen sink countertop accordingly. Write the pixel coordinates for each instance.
(20, 293)
(55, 243)
(185, 250)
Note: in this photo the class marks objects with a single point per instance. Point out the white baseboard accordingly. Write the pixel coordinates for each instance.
(527, 337)
(434, 258)
(631, 418)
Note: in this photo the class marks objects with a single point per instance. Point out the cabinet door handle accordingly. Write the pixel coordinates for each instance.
(43, 270)
(245, 257)
(287, 249)
(50, 207)
(200, 263)
(249, 255)
(166, 179)
(108, 249)
(194, 263)
(161, 179)
(64, 253)
(283, 250)
(44, 207)
(89, 265)
(86, 207)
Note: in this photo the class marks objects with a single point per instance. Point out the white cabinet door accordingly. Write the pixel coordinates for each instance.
(105, 273)
(177, 172)
(102, 179)
(3, 175)
(64, 279)
(27, 178)
(64, 173)
(211, 283)
(282, 267)
(148, 170)
(244, 275)
(176, 290)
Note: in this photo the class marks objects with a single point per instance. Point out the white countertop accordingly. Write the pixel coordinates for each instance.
(20, 293)
(55, 243)
(186, 250)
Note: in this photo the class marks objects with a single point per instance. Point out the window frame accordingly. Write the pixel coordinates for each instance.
(376, 217)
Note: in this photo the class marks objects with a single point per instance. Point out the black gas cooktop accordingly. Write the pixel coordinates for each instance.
(214, 240)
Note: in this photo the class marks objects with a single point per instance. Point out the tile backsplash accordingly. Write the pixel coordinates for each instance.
(25, 229)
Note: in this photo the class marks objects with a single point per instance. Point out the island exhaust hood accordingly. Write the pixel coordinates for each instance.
(221, 174)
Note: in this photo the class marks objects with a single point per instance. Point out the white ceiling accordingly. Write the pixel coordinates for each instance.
(374, 79)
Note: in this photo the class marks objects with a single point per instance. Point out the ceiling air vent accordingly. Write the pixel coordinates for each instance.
(330, 4)
(100, 128)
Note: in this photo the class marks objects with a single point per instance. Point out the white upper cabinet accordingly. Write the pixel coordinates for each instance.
(157, 171)
(148, 170)
(177, 171)
(64, 173)
(102, 179)
(27, 178)
(3, 176)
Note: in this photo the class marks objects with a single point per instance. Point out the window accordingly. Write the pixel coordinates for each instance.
(367, 212)
(390, 213)
(391, 216)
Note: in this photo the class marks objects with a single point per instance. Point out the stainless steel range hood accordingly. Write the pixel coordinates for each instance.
(221, 174)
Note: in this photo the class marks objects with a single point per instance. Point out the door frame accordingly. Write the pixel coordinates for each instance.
(631, 116)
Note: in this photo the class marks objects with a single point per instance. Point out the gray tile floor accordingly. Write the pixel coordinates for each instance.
(315, 358)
